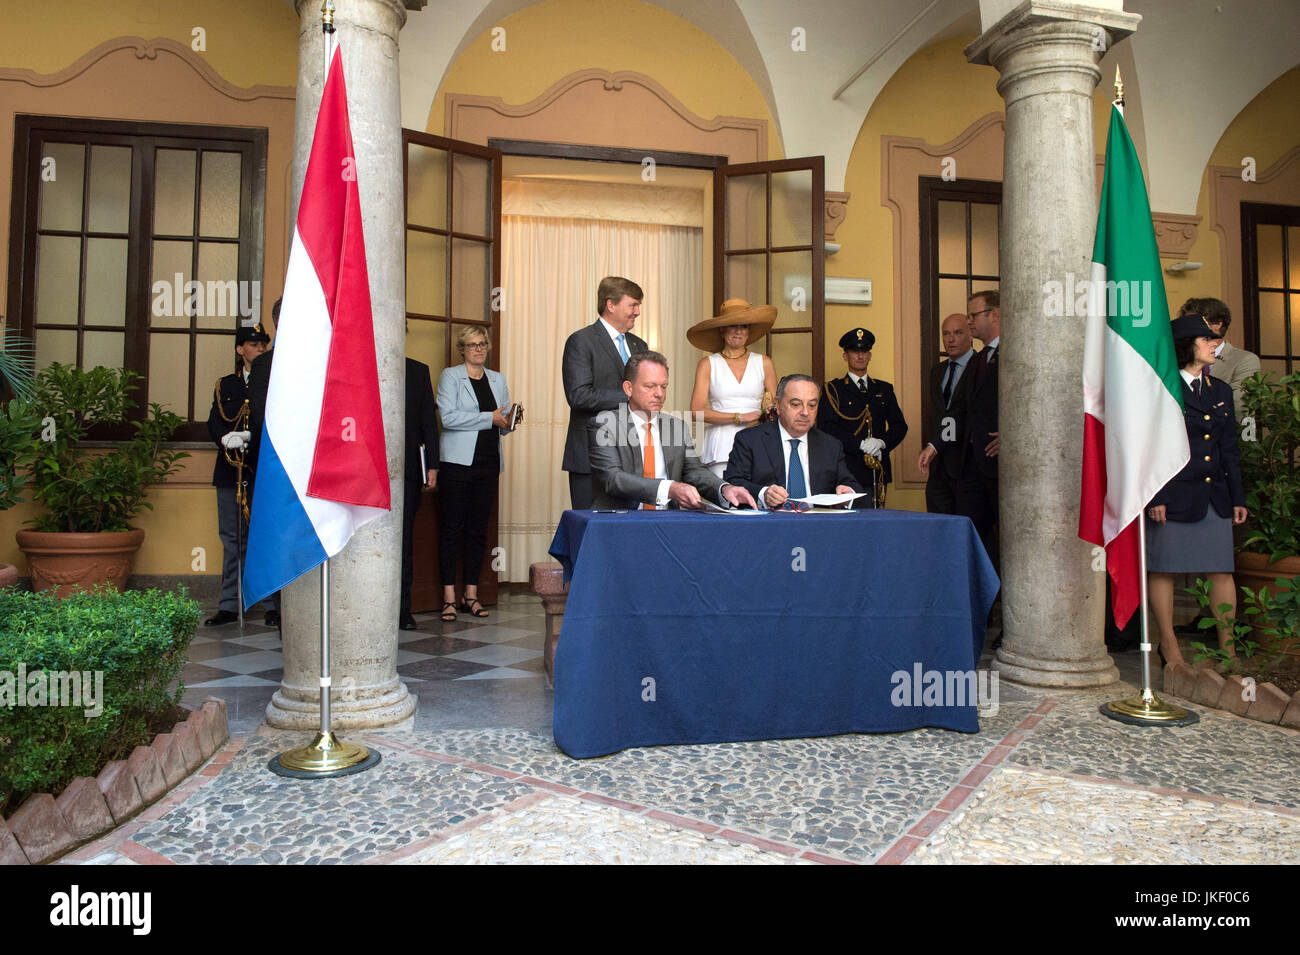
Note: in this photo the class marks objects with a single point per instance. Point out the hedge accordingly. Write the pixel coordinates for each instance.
(137, 640)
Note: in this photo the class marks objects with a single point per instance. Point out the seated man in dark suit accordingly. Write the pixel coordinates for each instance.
(640, 457)
(761, 457)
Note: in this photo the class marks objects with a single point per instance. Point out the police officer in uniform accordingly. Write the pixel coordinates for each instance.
(228, 427)
(863, 414)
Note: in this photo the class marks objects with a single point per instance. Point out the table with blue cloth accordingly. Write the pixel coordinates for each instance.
(686, 627)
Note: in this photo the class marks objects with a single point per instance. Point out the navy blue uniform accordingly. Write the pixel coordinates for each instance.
(1212, 478)
(840, 414)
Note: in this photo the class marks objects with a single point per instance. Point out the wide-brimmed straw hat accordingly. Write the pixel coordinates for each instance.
(707, 335)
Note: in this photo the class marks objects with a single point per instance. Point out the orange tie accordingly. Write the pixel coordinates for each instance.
(648, 459)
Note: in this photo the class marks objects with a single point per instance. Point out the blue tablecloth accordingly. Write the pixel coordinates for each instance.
(696, 628)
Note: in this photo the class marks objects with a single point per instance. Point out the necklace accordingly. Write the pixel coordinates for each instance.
(734, 357)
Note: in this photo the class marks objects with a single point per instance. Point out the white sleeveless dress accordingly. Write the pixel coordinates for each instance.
(729, 396)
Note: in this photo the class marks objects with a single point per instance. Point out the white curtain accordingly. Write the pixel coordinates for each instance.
(550, 270)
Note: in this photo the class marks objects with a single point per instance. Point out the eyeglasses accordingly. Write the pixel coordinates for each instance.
(975, 315)
(475, 345)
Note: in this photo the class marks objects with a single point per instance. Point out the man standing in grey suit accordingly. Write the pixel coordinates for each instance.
(592, 369)
(640, 457)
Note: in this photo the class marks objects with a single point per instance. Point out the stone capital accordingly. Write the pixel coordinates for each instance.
(836, 210)
(1175, 233)
(1054, 17)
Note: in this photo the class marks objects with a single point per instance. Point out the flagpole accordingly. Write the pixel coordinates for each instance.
(1145, 709)
(326, 756)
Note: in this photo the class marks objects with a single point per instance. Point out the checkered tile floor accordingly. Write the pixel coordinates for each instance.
(507, 645)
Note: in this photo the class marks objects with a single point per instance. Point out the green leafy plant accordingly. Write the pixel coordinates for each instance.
(137, 640)
(87, 489)
(18, 419)
(1261, 641)
(1270, 465)
(19, 427)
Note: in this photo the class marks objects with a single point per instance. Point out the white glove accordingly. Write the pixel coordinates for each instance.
(872, 446)
(236, 440)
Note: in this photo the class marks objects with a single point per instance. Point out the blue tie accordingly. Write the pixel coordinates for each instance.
(622, 349)
(796, 486)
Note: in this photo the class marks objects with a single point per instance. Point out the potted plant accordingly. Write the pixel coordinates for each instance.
(91, 494)
(1270, 471)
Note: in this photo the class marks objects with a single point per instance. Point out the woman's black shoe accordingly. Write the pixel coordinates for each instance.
(222, 618)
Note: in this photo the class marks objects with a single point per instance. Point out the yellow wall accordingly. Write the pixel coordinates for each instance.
(1266, 129)
(934, 96)
(548, 41)
(249, 42)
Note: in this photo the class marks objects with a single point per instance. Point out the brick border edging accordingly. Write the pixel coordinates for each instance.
(45, 827)
(1208, 688)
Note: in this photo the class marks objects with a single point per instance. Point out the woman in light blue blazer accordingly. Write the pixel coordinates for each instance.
(473, 403)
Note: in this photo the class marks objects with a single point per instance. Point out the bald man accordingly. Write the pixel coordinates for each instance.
(945, 378)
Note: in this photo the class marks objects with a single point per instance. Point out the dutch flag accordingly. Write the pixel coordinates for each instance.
(322, 468)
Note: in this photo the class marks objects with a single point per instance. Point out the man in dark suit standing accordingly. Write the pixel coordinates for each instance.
(945, 378)
(259, 383)
(975, 409)
(592, 369)
(421, 435)
(864, 414)
(789, 458)
(642, 458)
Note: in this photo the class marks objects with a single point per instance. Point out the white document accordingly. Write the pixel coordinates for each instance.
(712, 508)
(829, 500)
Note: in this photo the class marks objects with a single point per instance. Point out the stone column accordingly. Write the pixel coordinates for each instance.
(365, 578)
(1052, 597)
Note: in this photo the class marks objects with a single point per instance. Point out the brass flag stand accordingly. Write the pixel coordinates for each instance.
(325, 756)
(1145, 709)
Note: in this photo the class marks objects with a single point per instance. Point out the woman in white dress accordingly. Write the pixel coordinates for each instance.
(733, 385)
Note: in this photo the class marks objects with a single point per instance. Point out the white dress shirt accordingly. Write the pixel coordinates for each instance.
(639, 417)
(786, 436)
(613, 335)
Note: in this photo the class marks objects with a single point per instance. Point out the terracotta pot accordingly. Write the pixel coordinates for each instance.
(66, 563)
(1255, 571)
(8, 575)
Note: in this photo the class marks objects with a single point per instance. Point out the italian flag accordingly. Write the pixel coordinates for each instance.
(1134, 439)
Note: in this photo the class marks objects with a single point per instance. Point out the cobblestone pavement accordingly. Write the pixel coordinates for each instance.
(1047, 779)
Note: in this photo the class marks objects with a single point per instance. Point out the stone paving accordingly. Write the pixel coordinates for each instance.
(1046, 780)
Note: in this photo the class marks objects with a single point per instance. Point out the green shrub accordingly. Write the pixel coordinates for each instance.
(137, 640)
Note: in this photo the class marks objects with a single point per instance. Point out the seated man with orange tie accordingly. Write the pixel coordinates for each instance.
(788, 459)
(641, 457)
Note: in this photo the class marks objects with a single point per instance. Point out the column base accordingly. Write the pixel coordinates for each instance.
(1029, 670)
(351, 708)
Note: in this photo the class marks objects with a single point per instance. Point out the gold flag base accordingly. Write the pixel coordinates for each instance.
(324, 757)
(1147, 709)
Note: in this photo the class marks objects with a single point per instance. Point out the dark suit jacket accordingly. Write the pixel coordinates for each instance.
(943, 419)
(617, 464)
(259, 382)
(592, 370)
(758, 460)
(887, 422)
(227, 400)
(975, 408)
(421, 421)
(1212, 477)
